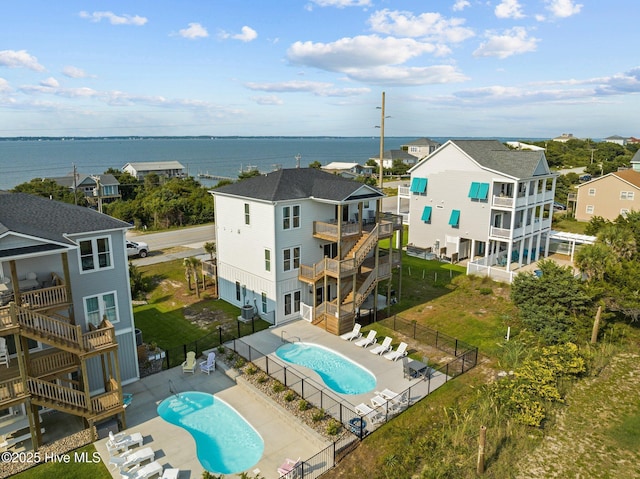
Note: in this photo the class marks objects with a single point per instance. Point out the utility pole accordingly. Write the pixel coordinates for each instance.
(298, 158)
(381, 169)
(99, 190)
(75, 185)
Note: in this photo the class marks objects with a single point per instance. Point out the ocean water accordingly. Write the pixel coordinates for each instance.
(23, 160)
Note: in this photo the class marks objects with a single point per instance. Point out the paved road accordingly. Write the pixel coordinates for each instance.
(192, 239)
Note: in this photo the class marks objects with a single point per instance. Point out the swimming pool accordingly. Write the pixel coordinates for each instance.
(337, 371)
(225, 442)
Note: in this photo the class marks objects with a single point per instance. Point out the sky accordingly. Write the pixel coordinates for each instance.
(457, 68)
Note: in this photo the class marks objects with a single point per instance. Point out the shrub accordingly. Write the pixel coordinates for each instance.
(277, 387)
(251, 369)
(333, 427)
(263, 379)
(303, 405)
(485, 291)
(318, 415)
(221, 349)
(239, 363)
(290, 396)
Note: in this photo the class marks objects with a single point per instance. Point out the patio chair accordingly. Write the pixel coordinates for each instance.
(189, 366)
(354, 334)
(405, 368)
(122, 441)
(210, 364)
(400, 352)
(363, 409)
(4, 352)
(289, 465)
(132, 458)
(368, 340)
(384, 347)
(142, 472)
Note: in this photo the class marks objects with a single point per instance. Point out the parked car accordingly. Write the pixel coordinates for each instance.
(559, 206)
(137, 249)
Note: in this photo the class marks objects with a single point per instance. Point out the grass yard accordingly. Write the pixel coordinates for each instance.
(76, 469)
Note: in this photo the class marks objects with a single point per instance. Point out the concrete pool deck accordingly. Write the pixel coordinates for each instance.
(283, 435)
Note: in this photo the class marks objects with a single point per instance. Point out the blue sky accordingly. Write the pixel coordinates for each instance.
(521, 68)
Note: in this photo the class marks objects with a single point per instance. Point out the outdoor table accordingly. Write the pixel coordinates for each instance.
(416, 367)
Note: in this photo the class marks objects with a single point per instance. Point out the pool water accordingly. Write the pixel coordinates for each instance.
(225, 442)
(337, 371)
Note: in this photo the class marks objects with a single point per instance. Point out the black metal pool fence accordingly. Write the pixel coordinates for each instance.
(465, 357)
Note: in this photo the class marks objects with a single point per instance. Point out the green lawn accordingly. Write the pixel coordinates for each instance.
(81, 465)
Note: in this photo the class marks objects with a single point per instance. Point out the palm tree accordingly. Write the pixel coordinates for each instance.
(595, 259)
(210, 247)
(191, 269)
(620, 239)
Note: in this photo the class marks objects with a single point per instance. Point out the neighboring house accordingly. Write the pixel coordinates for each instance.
(564, 137)
(608, 196)
(479, 200)
(348, 170)
(94, 187)
(421, 147)
(617, 139)
(302, 243)
(167, 169)
(518, 145)
(390, 156)
(65, 314)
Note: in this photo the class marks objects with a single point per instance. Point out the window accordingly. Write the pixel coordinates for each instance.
(95, 254)
(478, 191)
(592, 192)
(291, 217)
(590, 209)
(627, 195)
(418, 185)
(291, 258)
(267, 260)
(426, 214)
(247, 216)
(237, 290)
(454, 219)
(292, 303)
(624, 212)
(264, 303)
(99, 307)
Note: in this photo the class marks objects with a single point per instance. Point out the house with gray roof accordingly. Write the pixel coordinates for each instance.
(480, 201)
(165, 169)
(389, 157)
(421, 147)
(302, 243)
(67, 334)
(105, 187)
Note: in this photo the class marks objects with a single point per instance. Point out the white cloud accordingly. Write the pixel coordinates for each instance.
(563, 8)
(193, 31)
(50, 83)
(74, 72)
(342, 3)
(460, 5)
(409, 76)
(247, 34)
(114, 19)
(4, 86)
(19, 58)
(432, 26)
(267, 100)
(512, 42)
(358, 52)
(323, 89)
(509, 9)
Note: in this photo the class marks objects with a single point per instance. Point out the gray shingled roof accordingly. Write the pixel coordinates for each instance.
(67, 181)
(293, 184)
(422, 142)
(48, 219)
(495, 156)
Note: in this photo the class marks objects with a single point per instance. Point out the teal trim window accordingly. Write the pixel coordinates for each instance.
(478, 191)
(426, 214)
(418, 185)
(454, 219)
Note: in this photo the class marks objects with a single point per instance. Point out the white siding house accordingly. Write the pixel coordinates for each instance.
(278, 239)
(479, 200)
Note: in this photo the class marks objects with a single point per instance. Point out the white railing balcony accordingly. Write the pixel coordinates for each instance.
(503, 201)
(403, 191)
(500, 232)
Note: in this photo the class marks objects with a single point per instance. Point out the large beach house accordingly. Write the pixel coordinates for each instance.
(481, 201)
(67, 339)
(302, 243)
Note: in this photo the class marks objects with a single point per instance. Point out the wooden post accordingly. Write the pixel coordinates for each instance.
(481, 443)
(596, 326)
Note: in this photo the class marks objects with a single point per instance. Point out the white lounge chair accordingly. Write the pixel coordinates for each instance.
(122, 441)
(354, 334)
(400, 352)
(132, 458)
(210, 364)
(368, 340)
(142, 472)
(364, 410)
(384, 347)
(288, 466)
